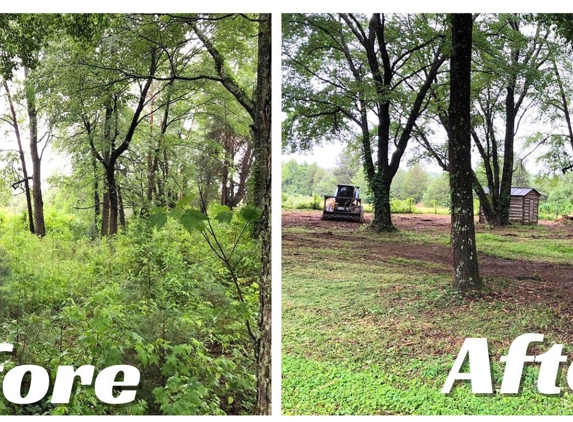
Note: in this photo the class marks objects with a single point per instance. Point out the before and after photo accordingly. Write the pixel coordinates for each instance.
(286, 213)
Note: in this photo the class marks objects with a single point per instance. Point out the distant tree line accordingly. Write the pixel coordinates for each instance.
(423, 187)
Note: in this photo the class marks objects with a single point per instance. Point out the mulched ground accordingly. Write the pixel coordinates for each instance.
(540, 282)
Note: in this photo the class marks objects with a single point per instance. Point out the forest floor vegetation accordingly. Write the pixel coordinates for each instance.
(160, 301)
(371, 324)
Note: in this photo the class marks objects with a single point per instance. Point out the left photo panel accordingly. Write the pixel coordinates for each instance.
(135, 199)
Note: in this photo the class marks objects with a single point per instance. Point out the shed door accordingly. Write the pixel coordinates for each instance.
(531, 211)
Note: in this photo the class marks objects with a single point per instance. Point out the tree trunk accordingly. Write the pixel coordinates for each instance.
(381, 173)
(120, 209)
(40, 228)
(113, 199)
(105, 212)
(380, 187)
(151, 154)
(507, 172)
(488, 211)
(112, 153)
(565, 108)
(22, 159)
(262, 150)
(224, 180)
(97, 206)
(466, 273)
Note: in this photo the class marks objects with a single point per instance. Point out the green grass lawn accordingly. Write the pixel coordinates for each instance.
(366, 334)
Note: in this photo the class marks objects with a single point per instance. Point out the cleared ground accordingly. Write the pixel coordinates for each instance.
(371, 326)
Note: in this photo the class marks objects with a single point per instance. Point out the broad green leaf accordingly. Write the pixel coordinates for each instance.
(250, 213)
(224, 217)
(193, 220)
(177, 213)
(186, 200)
(156, 210)
(216, 209)
(222, 213)
(158, 219)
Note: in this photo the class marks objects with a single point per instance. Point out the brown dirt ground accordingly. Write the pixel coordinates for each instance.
(540, 282)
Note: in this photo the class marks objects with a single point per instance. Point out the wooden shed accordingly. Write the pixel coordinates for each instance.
(524, 206)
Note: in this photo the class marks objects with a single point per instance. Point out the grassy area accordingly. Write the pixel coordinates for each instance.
(530, 248)
(366, 334)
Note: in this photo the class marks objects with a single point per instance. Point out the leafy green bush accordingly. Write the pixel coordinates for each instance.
(297, 202)
(403, 206)
(317, 203)
(158, 300)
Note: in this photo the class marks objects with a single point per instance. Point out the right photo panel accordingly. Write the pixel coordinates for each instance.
(427, 214)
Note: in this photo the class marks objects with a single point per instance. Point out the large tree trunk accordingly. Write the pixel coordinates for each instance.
(22, 159)
(466, 273)
(262, 150)
(40, 228)
(380, 187)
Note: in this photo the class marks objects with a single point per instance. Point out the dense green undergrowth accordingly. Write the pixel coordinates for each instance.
(367, 332)
(158, 300)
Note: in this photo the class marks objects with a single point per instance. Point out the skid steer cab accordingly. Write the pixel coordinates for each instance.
(345, 205)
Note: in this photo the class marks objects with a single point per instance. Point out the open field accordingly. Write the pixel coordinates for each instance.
(371, 325)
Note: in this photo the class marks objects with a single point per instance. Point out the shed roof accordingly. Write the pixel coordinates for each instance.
(522, 191)
(518, 191)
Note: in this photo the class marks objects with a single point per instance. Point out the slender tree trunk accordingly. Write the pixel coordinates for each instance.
(244, 169)
(120, 209)
(262, 150)
(151, 154)
(224, 181)
(97, 206)
(39, 226)
(565, 109)
(466, 273)
(113, 199)
(105, 212)
(507, 171)
(22, 160)
(150, 174)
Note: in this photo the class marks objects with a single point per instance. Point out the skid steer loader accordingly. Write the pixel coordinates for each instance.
(345, 205)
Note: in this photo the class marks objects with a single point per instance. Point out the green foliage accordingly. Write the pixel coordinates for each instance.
(415, 184)
(438, 192)
(301, 179)
(363, 336)
(396, 189)
(341, 389)
(298, 202)
(317, 202)
(138, 98)
(405, 206)
(158, 300)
